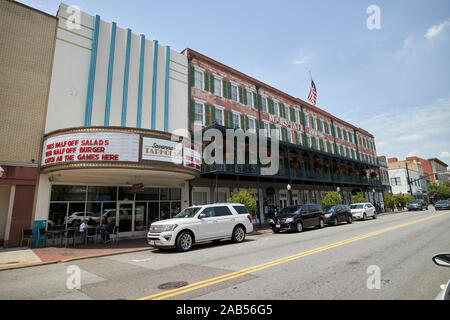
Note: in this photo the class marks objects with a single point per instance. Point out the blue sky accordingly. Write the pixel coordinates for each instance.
(394, 82)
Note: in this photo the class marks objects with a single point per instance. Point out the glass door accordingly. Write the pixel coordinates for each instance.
(124, 217)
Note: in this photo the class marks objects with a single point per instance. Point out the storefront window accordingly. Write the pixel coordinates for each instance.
(125, 194)
(165, 210)
(68, 193)
(175, 194)
(57, 216)
(164, 194)
(148, 194)
(102, 193)
(76, 214)
(175, 208)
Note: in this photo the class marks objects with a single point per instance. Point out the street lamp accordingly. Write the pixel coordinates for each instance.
(339, 191)
(373, 191)
(288, 187)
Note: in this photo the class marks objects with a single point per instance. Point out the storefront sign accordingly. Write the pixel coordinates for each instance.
(162, 150)
(285, 123)
(92, 146)
(192, 157)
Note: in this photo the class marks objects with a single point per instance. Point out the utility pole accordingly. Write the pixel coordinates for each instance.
(409, 180)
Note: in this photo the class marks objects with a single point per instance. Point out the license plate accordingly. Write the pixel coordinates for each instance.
(278, 226)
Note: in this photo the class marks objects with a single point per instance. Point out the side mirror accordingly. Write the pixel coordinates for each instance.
(442, 260)
(201, 215)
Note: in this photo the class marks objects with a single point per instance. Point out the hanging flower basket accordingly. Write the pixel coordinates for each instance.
(363, 172)
(373, 174)
(318, 165)
(335, 169)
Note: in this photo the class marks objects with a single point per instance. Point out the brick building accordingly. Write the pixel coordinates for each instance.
(318, 151)
(27, 40)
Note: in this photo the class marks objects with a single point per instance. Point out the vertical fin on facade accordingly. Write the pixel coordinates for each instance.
(93, 64)
(166, 91)
(141, 80)
(112, 47)
(125, 79)
(155, 78)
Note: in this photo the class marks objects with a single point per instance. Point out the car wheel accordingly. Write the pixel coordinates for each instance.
(350, 219)
(238, 234)
(374, 215)
(184, 241)
(299, 227)
(335, 221)
(364, 217)
(276, 231)
(321, 223)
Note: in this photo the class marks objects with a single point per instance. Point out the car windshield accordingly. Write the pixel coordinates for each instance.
(289, 210)
(442, 202)
(357, 206)
(329, 208)
(414, 201)
(188, 213)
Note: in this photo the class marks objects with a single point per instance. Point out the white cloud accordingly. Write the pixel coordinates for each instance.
(444, 154)
(437, 29)
(422, 129)
(299, 62)
(408, 42)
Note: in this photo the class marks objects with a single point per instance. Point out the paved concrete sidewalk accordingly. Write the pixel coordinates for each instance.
(14, 258)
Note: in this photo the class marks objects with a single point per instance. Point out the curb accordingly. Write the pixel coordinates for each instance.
(21, 266)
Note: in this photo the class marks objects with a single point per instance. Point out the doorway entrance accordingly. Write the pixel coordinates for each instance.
(131, 218)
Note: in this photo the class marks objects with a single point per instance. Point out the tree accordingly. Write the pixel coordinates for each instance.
(441, 192)
(246, 198)
(331, 198)
(358, 198)
(389, 201)
(400, 200)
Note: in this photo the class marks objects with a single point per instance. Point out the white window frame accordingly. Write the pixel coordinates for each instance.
(220, 79)
(278, 130)
(223, 113)
(249, 101)
(306, 119)
(266, 130)
(289, 133)
(276, 108)
(202, 77)
(251, 118)
(202, 103)
(239, 119)
(287, 111)
(265, 109)
(234, 84)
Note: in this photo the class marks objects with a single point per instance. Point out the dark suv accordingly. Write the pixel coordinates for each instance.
(338, 213)
(296, 218)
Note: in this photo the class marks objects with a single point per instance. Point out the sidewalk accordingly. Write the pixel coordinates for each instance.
(14, 258)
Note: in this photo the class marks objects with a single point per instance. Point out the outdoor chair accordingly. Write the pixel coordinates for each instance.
(27, 234)
(69, 234)
(91, 233)
(115, 235)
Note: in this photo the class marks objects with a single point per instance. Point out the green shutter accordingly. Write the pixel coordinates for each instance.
(246, 123)
(207, 115)
(211, 85)
(327, 128)
(270, 103)
(255, 103)
(224, 89)
(281, 110)
(206, 76)
(192, 76)
(225, 117)
(229, 89)
(241, 100)
(243, 123)
(213, 114)
(292, 114)
(257, 126)
(329, 147)
(244, 93)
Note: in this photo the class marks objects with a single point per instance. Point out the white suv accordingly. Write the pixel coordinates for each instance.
(201, 223)
(362, 211)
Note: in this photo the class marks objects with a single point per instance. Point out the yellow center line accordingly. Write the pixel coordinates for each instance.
(242, 272)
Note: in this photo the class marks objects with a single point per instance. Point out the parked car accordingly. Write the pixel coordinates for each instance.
(338, 213)
(296, 218)
(442, 205)
(417, 204)
(81, 216)
(443, 260)
(362, 211)
(201, 223)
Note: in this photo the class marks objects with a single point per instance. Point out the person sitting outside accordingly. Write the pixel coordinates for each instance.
(108, 229)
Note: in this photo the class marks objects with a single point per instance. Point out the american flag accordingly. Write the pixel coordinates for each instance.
(312, 93)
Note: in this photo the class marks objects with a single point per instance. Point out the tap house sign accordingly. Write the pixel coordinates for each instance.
(162, 150)
(95, 146)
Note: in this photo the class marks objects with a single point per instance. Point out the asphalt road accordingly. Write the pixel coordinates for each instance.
(331, 263)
